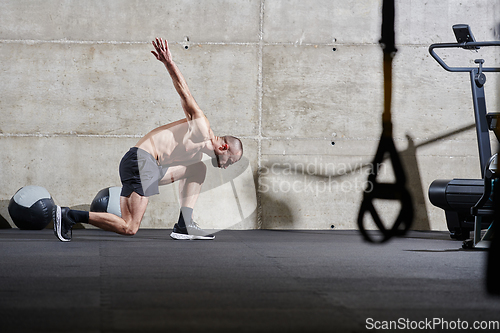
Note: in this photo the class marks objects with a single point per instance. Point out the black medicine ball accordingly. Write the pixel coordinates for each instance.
(31, 208)
(107, 200)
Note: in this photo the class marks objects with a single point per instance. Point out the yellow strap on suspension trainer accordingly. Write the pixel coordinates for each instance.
(386, 191)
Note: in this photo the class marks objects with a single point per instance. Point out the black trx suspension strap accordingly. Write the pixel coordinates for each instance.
(387, 191)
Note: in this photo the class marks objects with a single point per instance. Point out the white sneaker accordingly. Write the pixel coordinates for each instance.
(190, 232)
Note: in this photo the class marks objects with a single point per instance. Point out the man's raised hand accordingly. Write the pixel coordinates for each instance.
(162, 52)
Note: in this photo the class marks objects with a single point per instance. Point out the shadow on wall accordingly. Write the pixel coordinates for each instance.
(414, 185)
(279, 215)
(4, 224)
(409, 159)
(414, 181)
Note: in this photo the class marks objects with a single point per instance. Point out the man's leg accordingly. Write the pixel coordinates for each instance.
(132, 208)
(190, 179)
(190, 185)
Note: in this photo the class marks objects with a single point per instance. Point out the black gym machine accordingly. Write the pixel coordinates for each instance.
(468, 203)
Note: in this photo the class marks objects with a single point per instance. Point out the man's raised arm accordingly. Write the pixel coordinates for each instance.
(191, 108)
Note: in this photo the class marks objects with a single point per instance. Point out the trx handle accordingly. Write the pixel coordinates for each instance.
(387, 191)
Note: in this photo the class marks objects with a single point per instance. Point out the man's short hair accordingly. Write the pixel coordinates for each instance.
(234, 144)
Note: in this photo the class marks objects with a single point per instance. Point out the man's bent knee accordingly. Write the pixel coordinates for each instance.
(197, 172)
(130, 230)
(133, 208)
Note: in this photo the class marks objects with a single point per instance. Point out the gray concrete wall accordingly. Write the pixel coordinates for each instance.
(79, 87)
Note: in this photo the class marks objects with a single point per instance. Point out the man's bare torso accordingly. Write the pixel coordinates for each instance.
(179, 142)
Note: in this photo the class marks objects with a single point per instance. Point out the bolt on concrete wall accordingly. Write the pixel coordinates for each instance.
(299, 81)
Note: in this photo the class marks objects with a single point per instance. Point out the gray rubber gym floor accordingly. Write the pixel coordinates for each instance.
(244, 281)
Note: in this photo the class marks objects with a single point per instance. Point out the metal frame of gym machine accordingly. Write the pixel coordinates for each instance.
(467, 202)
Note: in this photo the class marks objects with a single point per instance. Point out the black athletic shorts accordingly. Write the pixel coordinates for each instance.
(140, 173)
